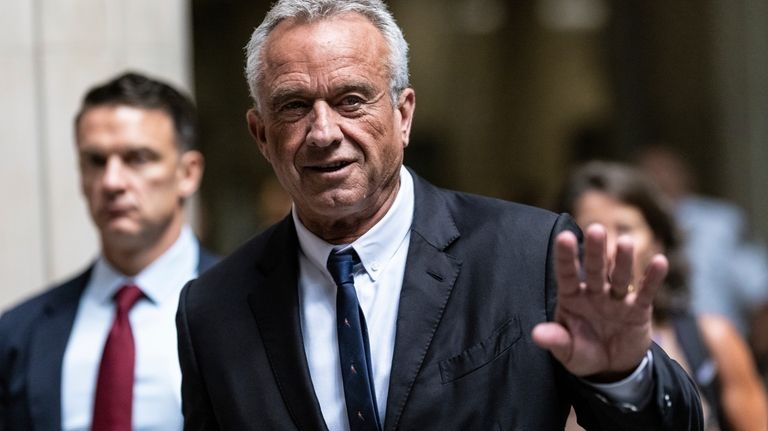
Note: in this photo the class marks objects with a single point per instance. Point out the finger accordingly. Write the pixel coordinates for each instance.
(621, 275)
(567, 263)
(594, 258)
(555, 338)
(652, 280)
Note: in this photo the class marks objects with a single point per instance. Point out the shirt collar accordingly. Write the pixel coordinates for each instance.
(160, 280)
(376, 246)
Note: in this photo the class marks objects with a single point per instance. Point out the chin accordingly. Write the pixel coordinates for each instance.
(345, 201)
(121, 230)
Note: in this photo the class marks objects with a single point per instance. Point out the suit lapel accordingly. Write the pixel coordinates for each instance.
(47, 346)
(49, 342)
(275, 306)
(430, 275)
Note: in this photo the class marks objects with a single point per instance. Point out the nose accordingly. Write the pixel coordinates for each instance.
(324, 129)
(113, 179)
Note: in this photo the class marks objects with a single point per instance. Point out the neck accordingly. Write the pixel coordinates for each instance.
(132, 259)
(348, 228)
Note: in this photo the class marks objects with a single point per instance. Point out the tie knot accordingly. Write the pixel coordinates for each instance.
(340, 266)
(127, 296)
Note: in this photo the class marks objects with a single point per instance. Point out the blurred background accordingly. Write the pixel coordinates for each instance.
(511, 94)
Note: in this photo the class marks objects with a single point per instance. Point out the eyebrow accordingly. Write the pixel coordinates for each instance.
(358, 87)
(89, 150)
(281, 94)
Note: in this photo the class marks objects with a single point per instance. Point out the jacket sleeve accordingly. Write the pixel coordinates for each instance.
(195, 403)
(674, 404)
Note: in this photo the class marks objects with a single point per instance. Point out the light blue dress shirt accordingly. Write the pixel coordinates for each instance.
(157, 389)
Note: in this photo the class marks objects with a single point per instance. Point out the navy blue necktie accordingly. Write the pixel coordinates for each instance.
(354, 352)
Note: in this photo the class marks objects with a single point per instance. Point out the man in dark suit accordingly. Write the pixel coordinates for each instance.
(383, 302)
(138, 164)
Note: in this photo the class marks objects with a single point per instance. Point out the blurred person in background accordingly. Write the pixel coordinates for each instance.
(628, 204)
(98, 352)
(728, 272)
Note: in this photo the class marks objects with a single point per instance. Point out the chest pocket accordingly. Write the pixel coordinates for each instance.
(481, 353)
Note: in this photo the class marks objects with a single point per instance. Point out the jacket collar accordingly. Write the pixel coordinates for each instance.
(431, 273)
(46, 352)
(49, 341)
(276, 309)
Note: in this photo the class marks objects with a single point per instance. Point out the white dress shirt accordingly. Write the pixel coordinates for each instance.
(157, 388)
(383, 251)
(378, 281)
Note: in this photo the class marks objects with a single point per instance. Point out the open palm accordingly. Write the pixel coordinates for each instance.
(602, 326)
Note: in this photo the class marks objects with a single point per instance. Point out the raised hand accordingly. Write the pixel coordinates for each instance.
(602, 326)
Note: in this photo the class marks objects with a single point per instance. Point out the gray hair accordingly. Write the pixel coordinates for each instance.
(311, 10)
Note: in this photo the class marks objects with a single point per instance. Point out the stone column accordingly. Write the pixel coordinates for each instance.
(741, 60)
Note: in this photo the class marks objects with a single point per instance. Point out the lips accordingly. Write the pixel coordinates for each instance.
(117, 211)
(330, 167)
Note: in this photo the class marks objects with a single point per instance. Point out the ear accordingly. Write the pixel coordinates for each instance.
(257, 129)
(406, 105)
(191, 168)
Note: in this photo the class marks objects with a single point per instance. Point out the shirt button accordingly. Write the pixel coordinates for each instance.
(375, 267)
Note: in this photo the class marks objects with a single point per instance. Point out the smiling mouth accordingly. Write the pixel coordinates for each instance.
(331, 167)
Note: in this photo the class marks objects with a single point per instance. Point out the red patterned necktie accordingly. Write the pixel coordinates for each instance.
(114, 390)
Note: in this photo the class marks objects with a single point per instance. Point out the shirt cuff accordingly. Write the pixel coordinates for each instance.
(631, 393)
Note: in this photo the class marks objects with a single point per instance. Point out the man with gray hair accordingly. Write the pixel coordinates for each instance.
(384, 302)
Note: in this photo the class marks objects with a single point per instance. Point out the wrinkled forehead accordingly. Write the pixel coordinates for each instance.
(349, 29)
(347, 44)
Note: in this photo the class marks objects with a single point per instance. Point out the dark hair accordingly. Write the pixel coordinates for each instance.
(139, 91)
(629, 186)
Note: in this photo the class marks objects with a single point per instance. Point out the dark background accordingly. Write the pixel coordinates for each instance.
(510, 94)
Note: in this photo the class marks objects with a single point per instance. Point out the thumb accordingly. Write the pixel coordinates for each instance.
(555, 338)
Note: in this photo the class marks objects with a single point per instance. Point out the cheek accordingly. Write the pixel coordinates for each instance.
(157, 185)
(89, 186)
(386, 149)
(86, 186)
(374, 128)
(282, 145)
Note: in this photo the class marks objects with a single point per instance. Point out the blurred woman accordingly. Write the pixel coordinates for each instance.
(707, 346)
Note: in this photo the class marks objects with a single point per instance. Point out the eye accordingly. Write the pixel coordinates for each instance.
(93, 160)
(293, 106)
(292, 110)
(296, 104)
(351, 102)
(96, 160)
(139, 157)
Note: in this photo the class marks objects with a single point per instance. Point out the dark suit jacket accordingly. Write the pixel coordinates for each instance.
(33, 337)
(478, 278)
